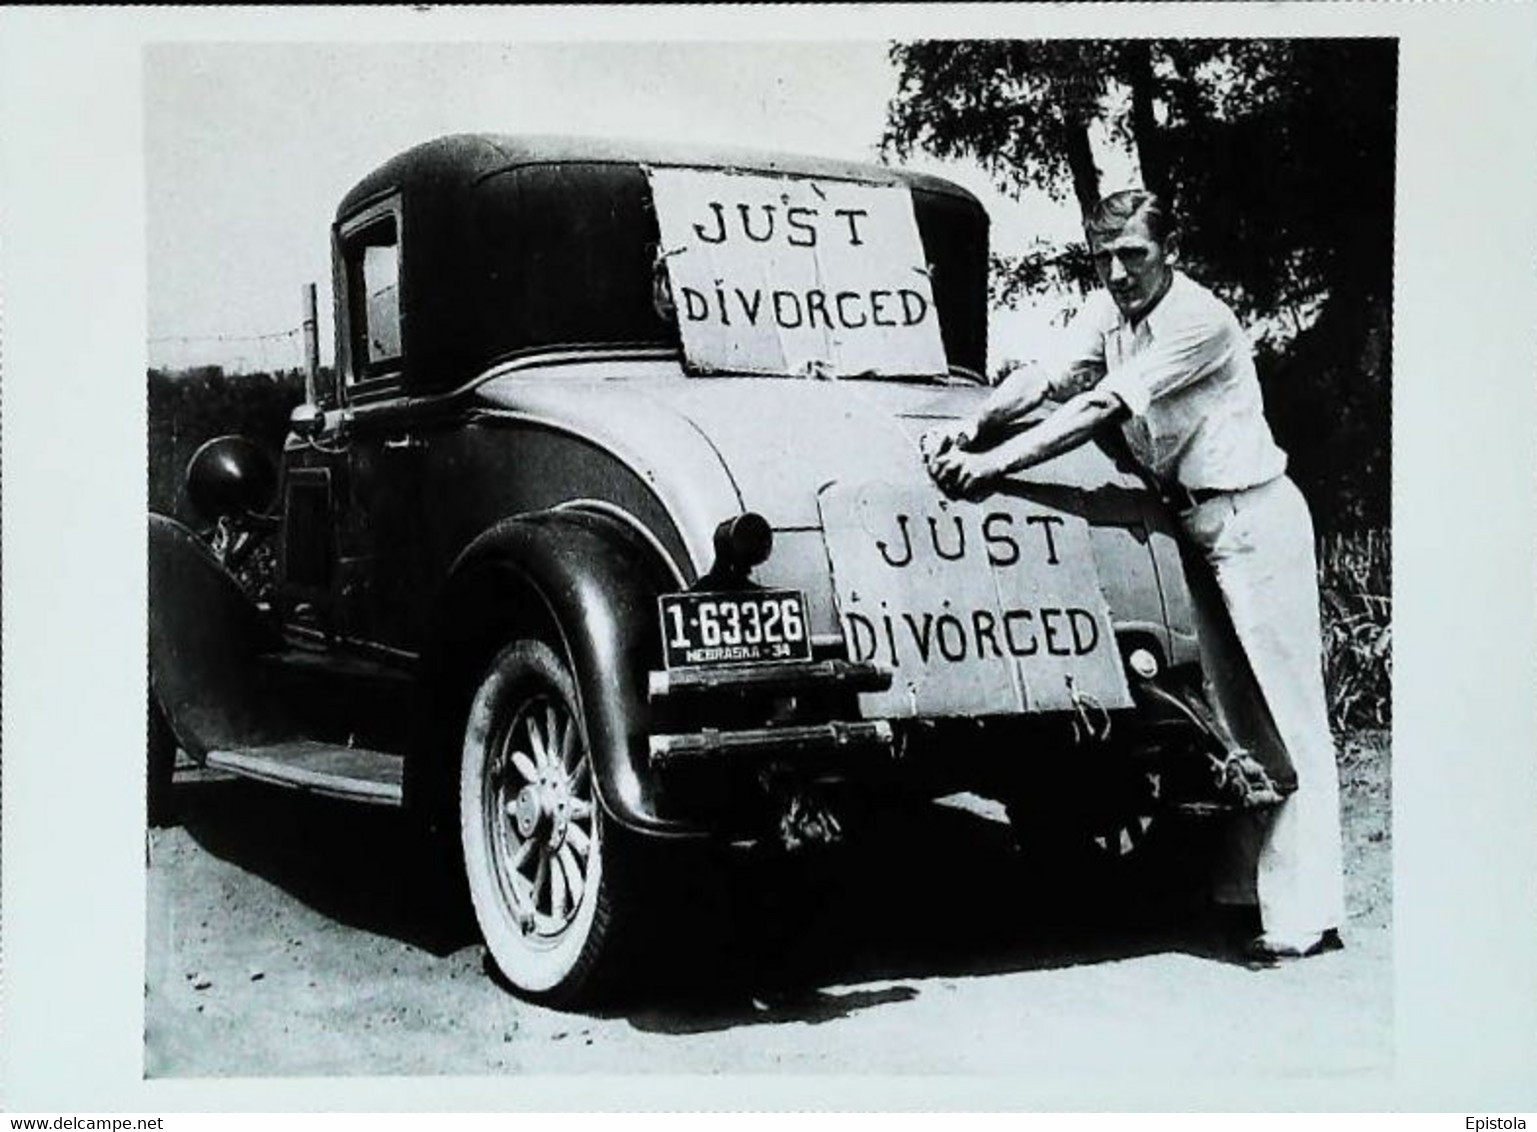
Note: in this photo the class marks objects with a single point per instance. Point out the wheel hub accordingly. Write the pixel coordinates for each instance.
(542, 809)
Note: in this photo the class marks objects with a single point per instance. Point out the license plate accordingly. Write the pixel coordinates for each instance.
(745, 627)
(976, 609)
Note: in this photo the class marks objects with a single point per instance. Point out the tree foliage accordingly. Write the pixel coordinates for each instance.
(1277, 157)
(1021, 109)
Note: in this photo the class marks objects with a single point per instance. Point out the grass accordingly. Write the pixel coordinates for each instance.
(1354, 581)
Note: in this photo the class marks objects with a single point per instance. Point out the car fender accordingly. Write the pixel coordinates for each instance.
(587, 584)
(205, 636)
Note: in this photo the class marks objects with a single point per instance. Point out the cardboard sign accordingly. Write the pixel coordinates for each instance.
(796, 276)
(976, 609)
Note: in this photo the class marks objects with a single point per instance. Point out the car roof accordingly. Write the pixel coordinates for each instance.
(458, 161)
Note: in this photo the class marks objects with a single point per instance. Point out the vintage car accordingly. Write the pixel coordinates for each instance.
(612, 531)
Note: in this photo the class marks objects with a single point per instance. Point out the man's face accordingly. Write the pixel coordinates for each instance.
(1134, 267)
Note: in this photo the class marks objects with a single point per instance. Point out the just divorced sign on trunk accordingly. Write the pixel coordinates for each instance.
(975, 609)
(796, 276)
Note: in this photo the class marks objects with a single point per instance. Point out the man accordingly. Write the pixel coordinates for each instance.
(1165, 359)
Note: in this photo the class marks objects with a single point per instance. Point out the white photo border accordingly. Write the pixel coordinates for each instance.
(73, 325)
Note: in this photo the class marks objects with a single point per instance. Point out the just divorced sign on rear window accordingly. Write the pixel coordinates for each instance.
(796, 276)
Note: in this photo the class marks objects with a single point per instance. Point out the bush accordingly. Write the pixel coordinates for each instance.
(1354, 581)
(191, 406)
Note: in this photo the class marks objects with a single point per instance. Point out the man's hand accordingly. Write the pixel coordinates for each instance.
(1007, 368)
(945, 437)
(971, 475)
(964, 475)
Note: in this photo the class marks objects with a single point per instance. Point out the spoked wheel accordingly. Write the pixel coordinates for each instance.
(533, 833)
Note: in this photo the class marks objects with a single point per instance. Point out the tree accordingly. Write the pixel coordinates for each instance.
(1022, 110)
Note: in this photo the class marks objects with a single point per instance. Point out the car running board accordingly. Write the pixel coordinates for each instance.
(352, 773)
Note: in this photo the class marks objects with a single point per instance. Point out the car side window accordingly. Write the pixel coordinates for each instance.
(371, 249)
(381, 286)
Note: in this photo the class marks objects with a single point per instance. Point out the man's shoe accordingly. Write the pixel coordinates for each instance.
(1272, 949)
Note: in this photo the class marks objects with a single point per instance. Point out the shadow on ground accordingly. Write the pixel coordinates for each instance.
(939, 893)
(363, 866)
(933, 892)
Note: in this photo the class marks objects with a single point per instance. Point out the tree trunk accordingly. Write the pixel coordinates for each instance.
(1080, 161)
(1137, 63)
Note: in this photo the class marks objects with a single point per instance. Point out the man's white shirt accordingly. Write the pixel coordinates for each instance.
(1186, 372)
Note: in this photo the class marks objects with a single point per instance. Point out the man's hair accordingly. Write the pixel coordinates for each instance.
(1117, 210)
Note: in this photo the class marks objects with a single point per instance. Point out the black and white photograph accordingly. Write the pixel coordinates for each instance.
(794, 607)
(724, 548)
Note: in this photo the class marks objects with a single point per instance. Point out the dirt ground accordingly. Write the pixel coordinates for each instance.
(291, 936)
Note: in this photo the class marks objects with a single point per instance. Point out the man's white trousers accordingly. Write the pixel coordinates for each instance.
(1267, 685)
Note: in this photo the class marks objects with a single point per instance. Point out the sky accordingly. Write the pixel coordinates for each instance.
(249, 148)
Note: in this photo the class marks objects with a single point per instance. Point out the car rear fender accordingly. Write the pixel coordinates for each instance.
(587, 585)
